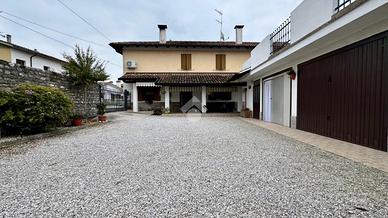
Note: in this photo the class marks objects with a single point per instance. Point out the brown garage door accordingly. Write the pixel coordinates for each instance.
(256, 100)
(343, 94)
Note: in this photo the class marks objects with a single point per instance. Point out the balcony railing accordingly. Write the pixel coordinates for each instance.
(281, 37)
(343, 4)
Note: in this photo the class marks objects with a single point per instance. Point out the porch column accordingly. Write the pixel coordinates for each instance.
(167, 97)
(239, 98)
(203, 99)
(134, 98)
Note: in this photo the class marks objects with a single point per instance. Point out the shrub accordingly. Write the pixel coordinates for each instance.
(32, 108)
(157, 111)
(101, 109)
(77, 116)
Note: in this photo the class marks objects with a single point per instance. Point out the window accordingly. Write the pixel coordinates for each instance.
(186, 61)
(214, 96)
(46, 68)
(148, 94)
(220, 62)
(20, 62)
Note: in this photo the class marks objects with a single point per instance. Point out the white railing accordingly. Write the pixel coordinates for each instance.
(281, 37)
(341, 4)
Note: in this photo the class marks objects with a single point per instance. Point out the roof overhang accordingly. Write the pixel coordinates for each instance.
(173, 45)
(240, 75)
(183, 79)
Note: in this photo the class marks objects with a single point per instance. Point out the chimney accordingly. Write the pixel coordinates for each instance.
(9, 38)
(162, 33)
(239, 29)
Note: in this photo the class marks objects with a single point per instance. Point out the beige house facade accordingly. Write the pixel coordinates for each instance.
(202, 60)
(183, 76)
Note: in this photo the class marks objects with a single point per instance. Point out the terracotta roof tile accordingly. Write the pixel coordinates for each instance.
(172, 78)
(194, 79)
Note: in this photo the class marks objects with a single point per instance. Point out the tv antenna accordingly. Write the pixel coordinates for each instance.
(222, 36)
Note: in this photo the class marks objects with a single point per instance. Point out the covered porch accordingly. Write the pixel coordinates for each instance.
(183, 93)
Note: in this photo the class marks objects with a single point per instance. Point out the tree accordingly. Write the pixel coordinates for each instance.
(84, 69)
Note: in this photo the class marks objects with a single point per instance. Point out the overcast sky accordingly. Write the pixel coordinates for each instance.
(136, 20)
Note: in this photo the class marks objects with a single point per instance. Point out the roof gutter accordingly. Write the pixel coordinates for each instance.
(35, 54)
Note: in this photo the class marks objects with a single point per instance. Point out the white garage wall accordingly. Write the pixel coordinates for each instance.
(260, 53)
(317, 12)
(287, 100)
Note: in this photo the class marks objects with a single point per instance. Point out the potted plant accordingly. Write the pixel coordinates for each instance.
(101, 109)
(246, 113)
(76, 120)
(157, 111)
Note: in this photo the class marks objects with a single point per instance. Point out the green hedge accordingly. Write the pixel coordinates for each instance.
(32, 109)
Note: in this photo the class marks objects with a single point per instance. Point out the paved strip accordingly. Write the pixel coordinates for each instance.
(368, 156)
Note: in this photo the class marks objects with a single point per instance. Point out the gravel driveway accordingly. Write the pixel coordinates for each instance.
(151, 166)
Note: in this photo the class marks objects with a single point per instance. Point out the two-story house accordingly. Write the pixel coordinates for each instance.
(177, 75)
(16, 54)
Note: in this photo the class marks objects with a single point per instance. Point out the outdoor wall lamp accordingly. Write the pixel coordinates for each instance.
(292, 74)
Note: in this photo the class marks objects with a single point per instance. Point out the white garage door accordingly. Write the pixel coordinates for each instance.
(273, 100)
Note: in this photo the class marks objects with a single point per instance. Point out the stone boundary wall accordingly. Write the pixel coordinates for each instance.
(12, 75)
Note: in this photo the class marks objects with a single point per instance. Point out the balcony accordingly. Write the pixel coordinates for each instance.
(341, 4)
(281, 37)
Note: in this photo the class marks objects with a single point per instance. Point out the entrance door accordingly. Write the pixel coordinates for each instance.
(342, 94)
(185, 97)
(256, 100)
(273, 96)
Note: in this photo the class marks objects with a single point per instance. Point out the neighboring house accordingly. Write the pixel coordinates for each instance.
(120, 83)
(16, 54)
(171, 73)
(325, 71)
(112, 95)
(111, 92)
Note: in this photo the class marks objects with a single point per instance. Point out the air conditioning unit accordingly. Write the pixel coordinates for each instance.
(131, 64)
